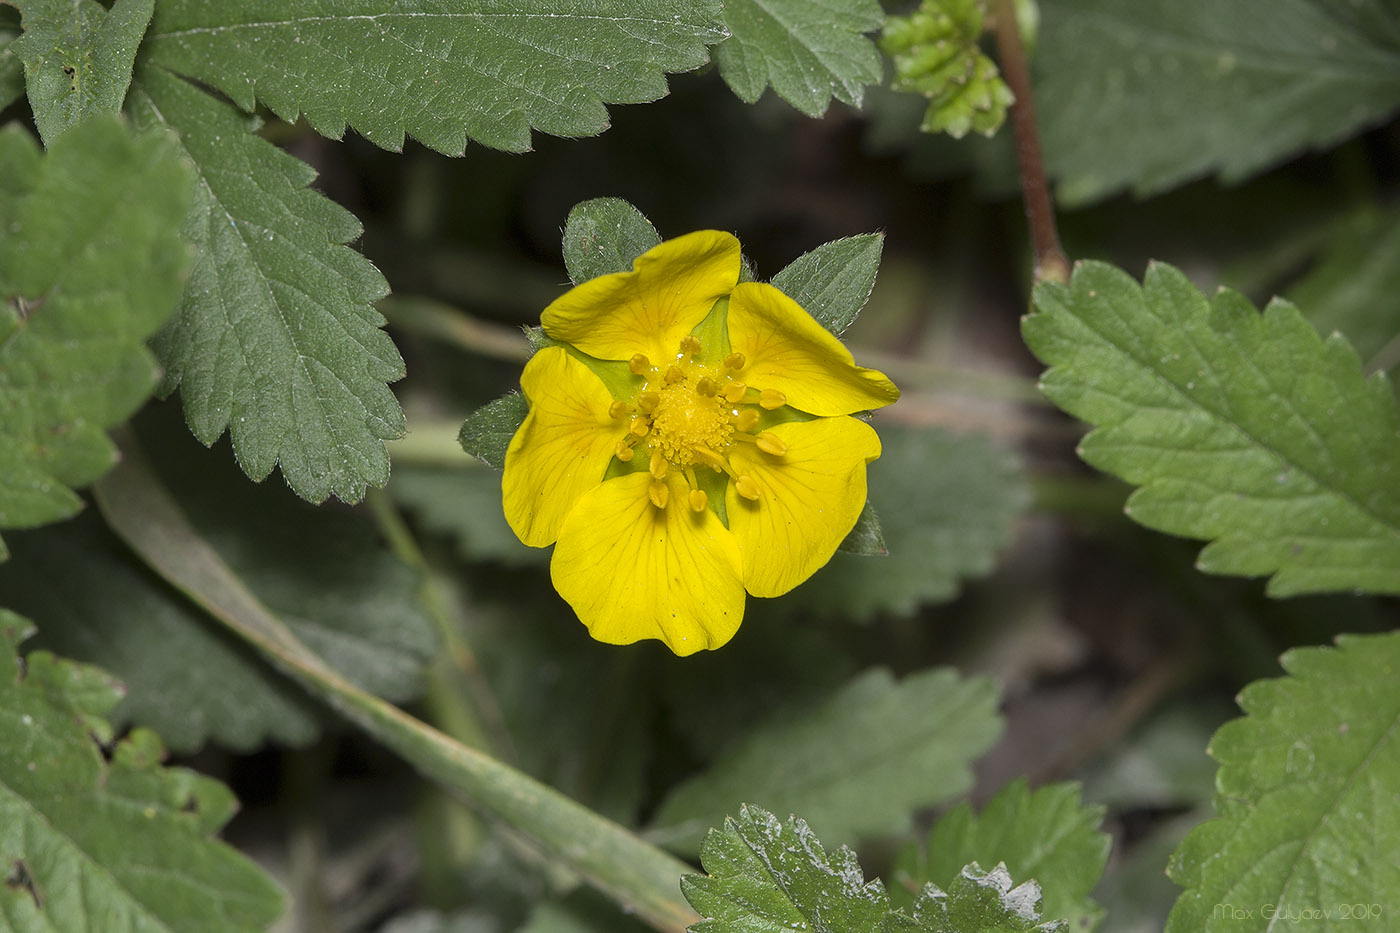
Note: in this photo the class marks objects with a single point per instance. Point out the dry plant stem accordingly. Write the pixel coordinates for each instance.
(1051, 264)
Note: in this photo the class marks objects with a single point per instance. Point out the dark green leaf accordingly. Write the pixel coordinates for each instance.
(604, 235)
(276, 339)
(465, 504)
(1308, 826)
(93, 843)
(978, 902)
(1355, 287)
(867, 539)
(488, 70)
(77, 58)
(1243, 428)
(11, 68)
(75, 310)
(1048, 836)
(834, 281)
(947, 504)
(809, 50)
(1153, 93)
(487, 433)
(858, 764)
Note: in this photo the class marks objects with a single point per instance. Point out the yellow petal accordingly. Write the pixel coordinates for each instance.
(787, 350)
(563, 447)
(808, 499)
(672, 287)
(633, 571)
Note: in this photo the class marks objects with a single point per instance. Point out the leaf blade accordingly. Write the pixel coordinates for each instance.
(834, 281)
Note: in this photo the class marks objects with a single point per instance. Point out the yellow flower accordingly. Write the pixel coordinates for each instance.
(688, 440)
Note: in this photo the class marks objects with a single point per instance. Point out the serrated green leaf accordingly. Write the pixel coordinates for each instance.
(276, 339)
(1048, 836)
(834, 281)
(858, 764)
(947, 504)
(77, 58)
(326, 572)
(1355, 286)
(92, 844)
(867, 538)
(764, 875)
(75, 309)
(936, 53)
(487, 432)
(604, 235)
(809, 50)
(487, 70)
(978, 902)
(465, 504)
(1308, 826)
(1243, 428)
(1151, 94)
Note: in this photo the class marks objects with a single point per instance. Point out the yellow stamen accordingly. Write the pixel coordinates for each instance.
(639, 364)
(734, 392)
(771, 399)
(618, 409)
(698, 500)
(734, 361)
(711, 459)
(623, 451)
(707, 387)
(647, 401)
(746, 420)
(746, 487)
(770, 443)
(659, 494)
(674, 374)
(639, 426)
(690, 345)
(658, 465)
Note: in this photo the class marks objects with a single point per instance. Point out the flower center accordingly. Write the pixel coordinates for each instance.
(689, 415)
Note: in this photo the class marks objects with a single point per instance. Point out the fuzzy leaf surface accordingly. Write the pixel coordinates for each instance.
(77, 58)
(978, 902)
(1306, 797)
(443, 73)
(119, 844)
(1244, 428)
(808, 50)
(604, 235)
(75, 310)
(276, 339)
(947, 505)
(858, 764)
(1150, 94)
(487, 431)
(834, 281)
(1047, 835)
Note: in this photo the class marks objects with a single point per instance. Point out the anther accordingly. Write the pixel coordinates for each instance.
(707, 387)
(690, 345)
(674, 374)
(708, 457)
(746, 420)
(659, 494)
(734, 361)
(647, 401)
(734, 392)
(639, 364)
(623, 451)
(771, 399)
(770, 443)
(746, 487)
(698, 500)
(618, 409)
(658, 465)
(639, 426)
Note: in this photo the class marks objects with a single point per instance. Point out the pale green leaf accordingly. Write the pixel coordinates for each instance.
(1244, 428)
(487, 70)
(947, 504)
(834, 281)
(1355, 286)
(487, 432)
(1047, 835)
(276, 339)
(77, 58)
(857, 764)
(936, 53)
(809, 50)
(326, 572)
(764, 876)
(89, 842)
(466, 505)
(867, 538)
(1152, 93)
(75, 310)
(1307, 823)
(604, 235)
(978, 901)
